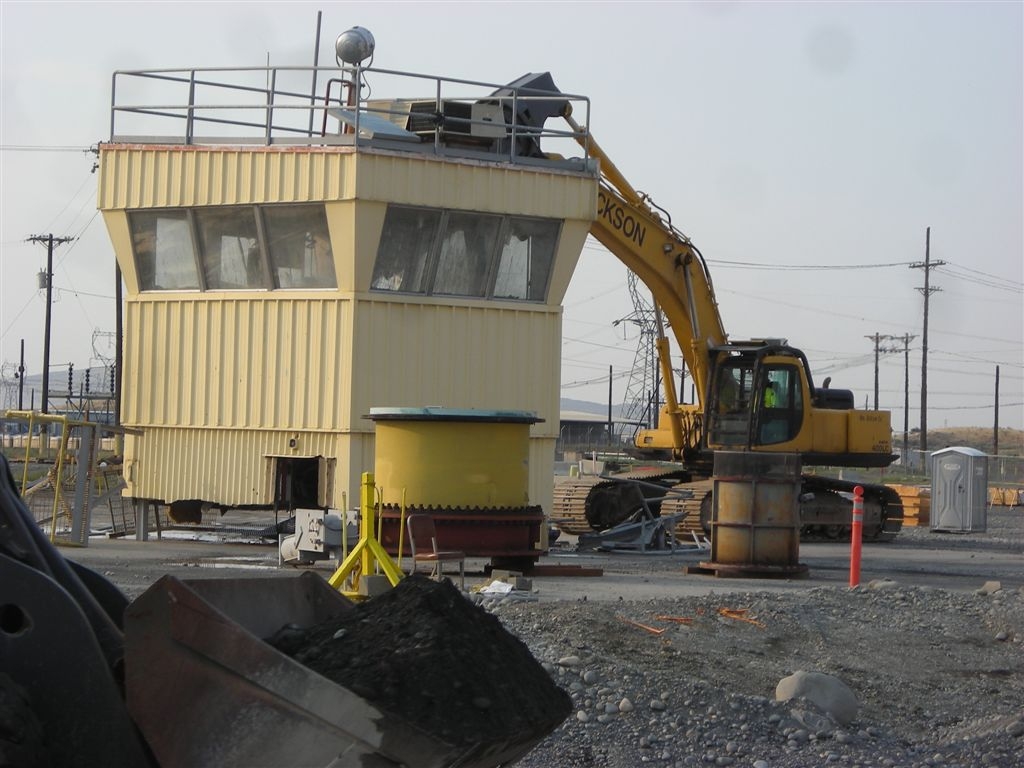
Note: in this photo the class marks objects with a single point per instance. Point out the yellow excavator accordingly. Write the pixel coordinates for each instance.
(754, 395)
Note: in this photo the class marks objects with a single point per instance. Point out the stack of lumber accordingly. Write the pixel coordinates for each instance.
(917, 503)
(1005, 497)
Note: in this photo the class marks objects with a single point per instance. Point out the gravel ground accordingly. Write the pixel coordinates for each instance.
(938, 675)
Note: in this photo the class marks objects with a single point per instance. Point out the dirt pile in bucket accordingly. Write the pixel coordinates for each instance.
(423, 652)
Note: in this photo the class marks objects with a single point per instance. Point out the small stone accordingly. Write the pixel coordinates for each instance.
(882, 584)
(611, 709)
(591, 676)
(582, 716)
(569, 661)
(761, 764)
(1016, 729)
(658, 705)
(625, 705)
(1002, 637)
(989, 588)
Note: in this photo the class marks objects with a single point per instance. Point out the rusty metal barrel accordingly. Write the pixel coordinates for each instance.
(755, 527)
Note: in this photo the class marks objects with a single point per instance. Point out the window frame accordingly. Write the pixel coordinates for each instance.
(494, 253)
(199, 256)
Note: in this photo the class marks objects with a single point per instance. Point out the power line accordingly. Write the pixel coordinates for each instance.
(1018, 285)
(806, 267)
(983, 282)
(44, 148)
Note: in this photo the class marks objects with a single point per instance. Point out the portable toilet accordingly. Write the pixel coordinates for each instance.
(959, 490)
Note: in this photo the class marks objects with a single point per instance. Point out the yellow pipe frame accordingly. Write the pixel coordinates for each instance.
(368, 551)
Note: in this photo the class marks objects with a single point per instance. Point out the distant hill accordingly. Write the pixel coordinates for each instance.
(1011, 441)
(587, 406)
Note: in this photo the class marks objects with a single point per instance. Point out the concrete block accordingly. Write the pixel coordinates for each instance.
(373, 585)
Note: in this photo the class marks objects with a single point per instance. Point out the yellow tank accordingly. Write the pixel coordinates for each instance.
(469, 470)
(444, 457)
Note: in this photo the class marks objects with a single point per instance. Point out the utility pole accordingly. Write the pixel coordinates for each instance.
(21, 378)
(609, 405)
(995, 426)
(927, 265)
(50, 241)
(878, 339)
(906, 339)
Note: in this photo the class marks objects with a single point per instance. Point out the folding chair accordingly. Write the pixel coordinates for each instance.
(423, 542)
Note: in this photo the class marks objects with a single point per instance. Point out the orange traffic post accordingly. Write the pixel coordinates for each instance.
(856, 533)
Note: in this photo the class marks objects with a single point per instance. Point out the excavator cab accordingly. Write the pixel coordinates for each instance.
(757, 398)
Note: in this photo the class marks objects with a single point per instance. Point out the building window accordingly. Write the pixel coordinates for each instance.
(230, 248)
(235, 248)
(165, 255)
(467, 247)
(299, 246)
(462, 253)
(404, 251)
(524, 263)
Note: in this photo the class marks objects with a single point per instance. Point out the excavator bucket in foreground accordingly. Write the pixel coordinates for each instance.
(203, 683)
(207, 690)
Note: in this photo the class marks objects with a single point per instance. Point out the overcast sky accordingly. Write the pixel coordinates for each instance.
(797, 144)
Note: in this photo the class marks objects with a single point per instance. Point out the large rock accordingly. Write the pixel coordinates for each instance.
(829, 693)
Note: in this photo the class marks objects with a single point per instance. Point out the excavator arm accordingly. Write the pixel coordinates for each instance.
(643, 238)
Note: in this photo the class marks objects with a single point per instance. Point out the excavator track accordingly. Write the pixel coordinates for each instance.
(696, 509)
(825, 508)
(587, 504)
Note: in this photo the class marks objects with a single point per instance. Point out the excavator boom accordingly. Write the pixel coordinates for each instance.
(755, 395)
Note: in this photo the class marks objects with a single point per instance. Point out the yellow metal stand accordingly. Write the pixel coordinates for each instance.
(360, 560)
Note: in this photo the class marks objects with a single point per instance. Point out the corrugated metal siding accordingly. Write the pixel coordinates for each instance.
(417, 180)
(226, 466)
(245, 363)
(158, 177)
(457, 356)
(219, 381)
(232, 466)
(542, 472)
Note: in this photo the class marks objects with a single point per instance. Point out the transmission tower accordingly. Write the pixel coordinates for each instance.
(640, 404)
(9, 386)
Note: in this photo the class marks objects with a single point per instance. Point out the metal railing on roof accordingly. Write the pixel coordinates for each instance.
(286, 106)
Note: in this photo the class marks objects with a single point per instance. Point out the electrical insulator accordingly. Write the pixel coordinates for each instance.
(71, 373)
(112, 388)
(87, 380)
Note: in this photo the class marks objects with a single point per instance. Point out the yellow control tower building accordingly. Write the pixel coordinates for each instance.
(296, 255)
